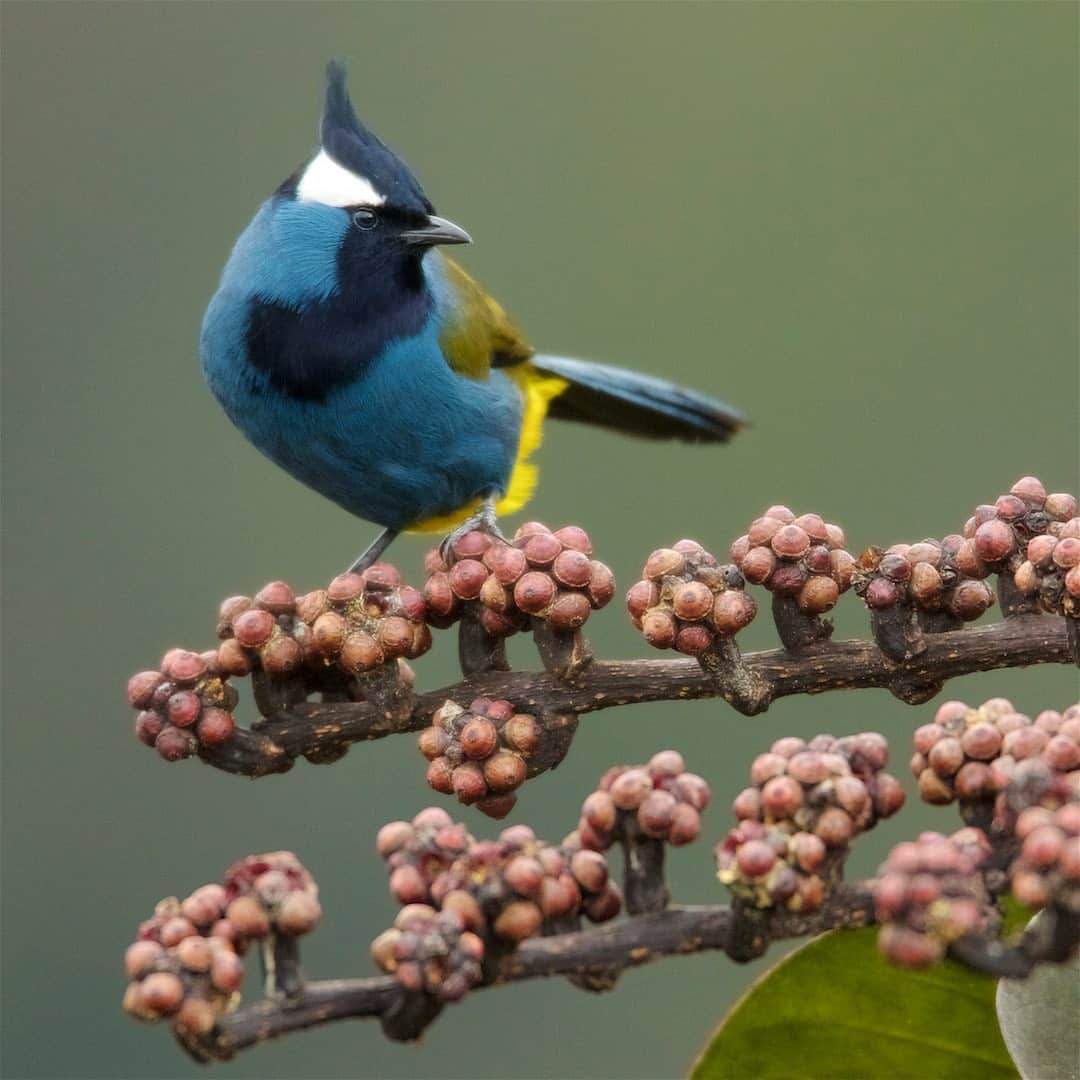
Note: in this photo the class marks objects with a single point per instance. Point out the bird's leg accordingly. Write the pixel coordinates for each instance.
(372, 552)
(484, 520)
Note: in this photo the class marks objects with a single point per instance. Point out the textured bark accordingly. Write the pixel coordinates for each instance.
(322, 729)
(603, 951)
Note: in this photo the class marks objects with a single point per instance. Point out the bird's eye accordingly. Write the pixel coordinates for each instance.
(365, 218)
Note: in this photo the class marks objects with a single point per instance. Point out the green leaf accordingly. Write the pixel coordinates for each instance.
(837, 1008)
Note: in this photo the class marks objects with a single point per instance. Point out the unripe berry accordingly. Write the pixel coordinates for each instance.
(194, 953)
(253, 628)
(933, 789)
(524, 875)
(818, 595)
(732, 610)
(808, 767)
(161, 993)
(641, 596)
(182, 666)
(569, 611)
(664, 562)
(248, 917)
(758, 565)
(748, 804)
(440, 775)
(599, 811)
(172, 744)
(226, 971)
(392, 836)
(572, 568)
(755, 858)
(656, 812)
(630, 789)
(604, 905)
(522, 733)
(834, 827)
(685, 825)
(533, 592)
(467, 781)
(659, 629)
(504, 772)
(590, 870)
(141, 956)
(790, 542)
(141, 687)
(946, 756)
(479, 738)
(766, 766)
(666, 763)
(781, 797)
(517, 921)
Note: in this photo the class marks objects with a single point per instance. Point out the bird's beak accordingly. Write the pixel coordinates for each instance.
(437, 231)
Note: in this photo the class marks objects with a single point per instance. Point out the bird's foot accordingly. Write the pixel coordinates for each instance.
(484, 520)
(371, 554)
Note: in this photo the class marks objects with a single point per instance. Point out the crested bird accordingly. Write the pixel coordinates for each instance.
(351, 351)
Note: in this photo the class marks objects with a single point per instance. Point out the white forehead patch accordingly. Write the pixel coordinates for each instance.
(325, 181)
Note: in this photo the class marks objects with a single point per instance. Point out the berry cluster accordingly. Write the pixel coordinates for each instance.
(181, 973)
(806, 803)
(996, 535)
(510, 889)
(430, 951)
(541, 574)
(925, 576)
(1051, 570)
(1035, 782)
(519, 886)
(766, 866)
(929, 893)
(186, 705)
(262, 633)
(686, 601)
(356, 624)
(971, 754)
(418, 851)
(272, 892)
(801, 558)
(361, 621)
(1047, 870)
(663, 799)
(185, 962)
(833, 788)
(480, 754)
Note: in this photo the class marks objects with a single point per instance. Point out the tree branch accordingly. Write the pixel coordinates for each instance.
(327, 729)
(604, 951)
(1050, 939)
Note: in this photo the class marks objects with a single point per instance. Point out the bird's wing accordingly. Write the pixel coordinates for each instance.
(478, 334)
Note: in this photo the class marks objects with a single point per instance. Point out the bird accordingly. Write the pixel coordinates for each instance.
(359, 357)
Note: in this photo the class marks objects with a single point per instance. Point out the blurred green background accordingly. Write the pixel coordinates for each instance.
(856, 221)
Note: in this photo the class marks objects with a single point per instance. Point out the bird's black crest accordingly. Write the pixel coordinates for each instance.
(361, 151)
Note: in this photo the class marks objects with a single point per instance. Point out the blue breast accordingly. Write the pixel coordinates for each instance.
(397, 439)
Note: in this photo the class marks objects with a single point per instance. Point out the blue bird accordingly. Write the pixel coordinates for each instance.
(357, 356)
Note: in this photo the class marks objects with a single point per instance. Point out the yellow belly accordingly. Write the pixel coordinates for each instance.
(537, 391)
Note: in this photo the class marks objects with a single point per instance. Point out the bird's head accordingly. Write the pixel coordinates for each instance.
(360, 179)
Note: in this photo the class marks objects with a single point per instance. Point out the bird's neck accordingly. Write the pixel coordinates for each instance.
(311, 351)
(391, 293)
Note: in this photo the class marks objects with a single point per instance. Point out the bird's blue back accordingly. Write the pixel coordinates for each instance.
(399, 439)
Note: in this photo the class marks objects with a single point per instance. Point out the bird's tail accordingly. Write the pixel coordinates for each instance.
(636, 404)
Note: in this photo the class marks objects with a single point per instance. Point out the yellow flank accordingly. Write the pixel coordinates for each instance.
(537, 391)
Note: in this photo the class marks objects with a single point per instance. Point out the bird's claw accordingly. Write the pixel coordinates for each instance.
(484, 520)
